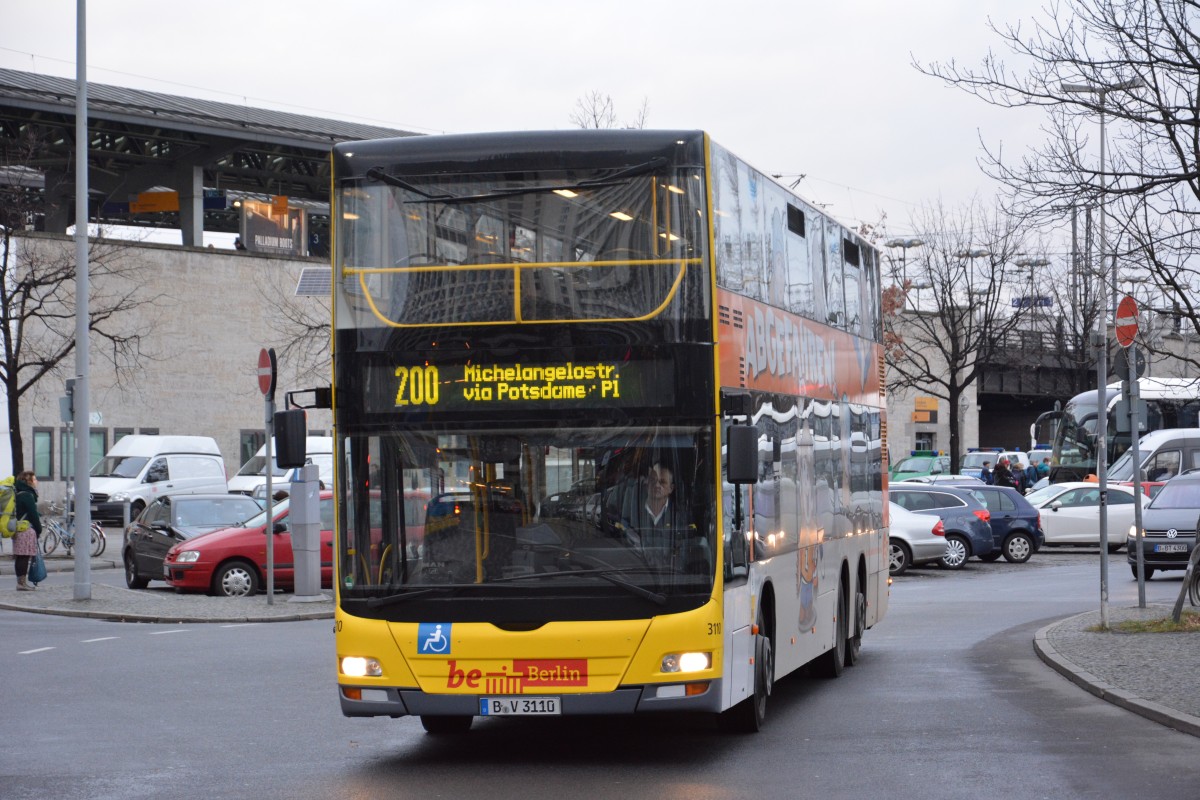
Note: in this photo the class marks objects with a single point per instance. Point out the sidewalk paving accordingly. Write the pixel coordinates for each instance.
(120, 604)
(1151, 674)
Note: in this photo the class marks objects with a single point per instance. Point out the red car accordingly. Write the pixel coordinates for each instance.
(232, 562)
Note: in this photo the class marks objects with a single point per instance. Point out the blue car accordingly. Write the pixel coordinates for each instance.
(963, 515)
(1016, 524)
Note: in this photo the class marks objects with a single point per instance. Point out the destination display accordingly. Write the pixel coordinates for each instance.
(577, 385)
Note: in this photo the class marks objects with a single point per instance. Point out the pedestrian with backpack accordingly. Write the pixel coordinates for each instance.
(25, 542)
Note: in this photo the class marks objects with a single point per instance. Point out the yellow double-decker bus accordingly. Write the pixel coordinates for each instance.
(610, 429)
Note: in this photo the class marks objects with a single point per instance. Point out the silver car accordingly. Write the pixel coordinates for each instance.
(913, 539)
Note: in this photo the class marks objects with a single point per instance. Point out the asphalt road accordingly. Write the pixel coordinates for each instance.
(950, 701)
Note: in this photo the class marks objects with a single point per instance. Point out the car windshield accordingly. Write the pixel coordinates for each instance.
(1042, 495)
(118, 467)
(975, 460)
(915, 464)
(257, 466)
(216, 512)
(1178, 494)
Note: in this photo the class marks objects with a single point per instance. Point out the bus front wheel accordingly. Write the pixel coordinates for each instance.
(750, 715)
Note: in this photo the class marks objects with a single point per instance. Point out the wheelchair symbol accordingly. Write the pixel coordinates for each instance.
(432, 639)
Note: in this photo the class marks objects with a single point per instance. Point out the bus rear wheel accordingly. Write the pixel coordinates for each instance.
(830, 663)
(854, 643)
(446, 725)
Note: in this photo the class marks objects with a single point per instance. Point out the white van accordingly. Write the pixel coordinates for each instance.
(253, 474)
(1164, 454)
(140, 468)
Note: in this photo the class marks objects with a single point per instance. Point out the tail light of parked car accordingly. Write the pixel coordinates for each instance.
(983, 514)
(939, 529)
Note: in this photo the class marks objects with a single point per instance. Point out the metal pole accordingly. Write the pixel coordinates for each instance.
(1101, 385)
(83, 506)
(1134, 396)
(269, 533)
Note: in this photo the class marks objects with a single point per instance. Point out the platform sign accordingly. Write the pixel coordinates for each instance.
(1126, 321)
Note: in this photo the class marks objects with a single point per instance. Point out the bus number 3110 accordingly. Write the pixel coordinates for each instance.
(417, 386)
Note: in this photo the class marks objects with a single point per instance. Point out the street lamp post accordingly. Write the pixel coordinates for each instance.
(1101, 92)
(904, 244)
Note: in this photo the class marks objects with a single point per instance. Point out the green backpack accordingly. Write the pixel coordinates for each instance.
(10, 526)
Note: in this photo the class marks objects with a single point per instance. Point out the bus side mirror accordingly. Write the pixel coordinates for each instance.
(742, 455)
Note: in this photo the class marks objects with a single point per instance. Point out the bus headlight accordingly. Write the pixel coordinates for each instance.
(360, 667)
(686, 662)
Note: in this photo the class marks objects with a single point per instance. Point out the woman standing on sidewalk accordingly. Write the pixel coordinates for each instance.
(25, 543)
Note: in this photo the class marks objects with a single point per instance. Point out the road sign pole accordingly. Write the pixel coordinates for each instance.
(266, 383)
(1134, 397)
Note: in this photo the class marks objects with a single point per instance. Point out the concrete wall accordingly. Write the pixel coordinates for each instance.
(209, 318)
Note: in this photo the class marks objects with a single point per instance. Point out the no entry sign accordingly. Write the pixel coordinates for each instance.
(266, 372)
(1126, 321)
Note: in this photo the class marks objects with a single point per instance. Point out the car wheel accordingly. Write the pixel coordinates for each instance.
(136, 510)
(990, 557)
(957, 553)
(235, 579)
(1149, 571)
(446, 725)
(899, 559)
(132, 579)
(1018, 548)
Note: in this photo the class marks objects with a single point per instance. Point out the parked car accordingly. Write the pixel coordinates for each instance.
(170, 520)
(913, 539)
(952, 478)
(1149, 488)
(918, 464)
(1168, 526)
(971, 463)
(966, 520)
(1016, 524)
(232, 562)
(1071, 513)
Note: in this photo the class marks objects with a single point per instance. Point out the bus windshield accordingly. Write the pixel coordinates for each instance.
(484, 512)
(520, 247)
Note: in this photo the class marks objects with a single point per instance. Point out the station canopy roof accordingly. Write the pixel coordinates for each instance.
(140, 141)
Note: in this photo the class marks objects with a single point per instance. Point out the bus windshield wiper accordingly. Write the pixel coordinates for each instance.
(393, 599)
(604, 574)
(616, 179)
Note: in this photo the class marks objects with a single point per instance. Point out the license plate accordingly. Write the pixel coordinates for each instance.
(519, 706)
(1170, 548)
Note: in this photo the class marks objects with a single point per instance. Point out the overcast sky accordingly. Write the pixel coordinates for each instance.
(795, 87)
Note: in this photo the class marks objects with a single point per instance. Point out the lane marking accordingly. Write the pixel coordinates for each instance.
(101, 639)
(176, 630)
(242, 625)
(39, 650)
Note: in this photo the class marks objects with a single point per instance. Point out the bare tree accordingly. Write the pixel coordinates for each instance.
(301, 324)
(597, 110)
(955, 316)
(1135, 64)
(37, 295)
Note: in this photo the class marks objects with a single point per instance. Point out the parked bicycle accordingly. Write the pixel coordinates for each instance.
(60, 531)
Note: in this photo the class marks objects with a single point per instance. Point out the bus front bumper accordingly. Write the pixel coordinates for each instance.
(396, 702)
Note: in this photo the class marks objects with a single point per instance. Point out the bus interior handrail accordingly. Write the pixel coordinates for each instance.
(518, 267)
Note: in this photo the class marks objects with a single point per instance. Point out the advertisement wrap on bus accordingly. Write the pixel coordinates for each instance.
(609, 429)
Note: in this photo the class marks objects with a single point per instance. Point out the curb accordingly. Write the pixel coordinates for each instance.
(1156, 712)
(181, 619)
